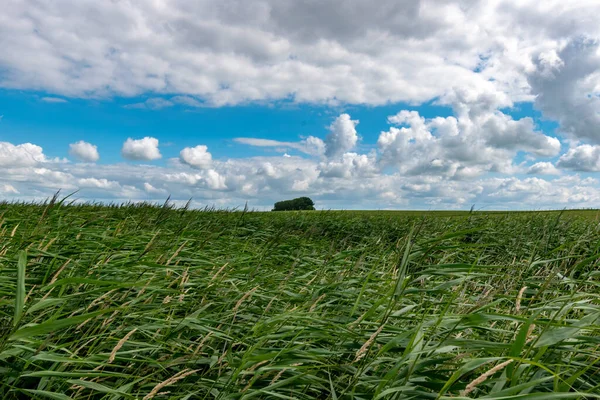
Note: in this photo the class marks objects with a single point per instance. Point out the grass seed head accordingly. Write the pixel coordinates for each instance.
(473, 384)
(177, 377)
(365, 347)
(120, 344)
(519, 297)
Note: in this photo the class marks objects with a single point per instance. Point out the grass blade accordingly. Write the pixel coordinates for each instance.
(20, 292)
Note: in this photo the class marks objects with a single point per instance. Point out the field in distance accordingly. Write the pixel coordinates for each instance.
(589, 213)
(140, 302)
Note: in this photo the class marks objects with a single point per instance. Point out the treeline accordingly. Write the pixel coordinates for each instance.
(301, 203)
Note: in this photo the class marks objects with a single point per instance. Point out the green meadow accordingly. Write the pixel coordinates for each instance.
(143, 302)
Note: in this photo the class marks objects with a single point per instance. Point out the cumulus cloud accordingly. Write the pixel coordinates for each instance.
(102, 183)
(581, 158)
(214, 180)
(152, 190)
(197, 157)
(234, 52)
(342, 137)
(571, 191)
(567, 88)
(145, 149)
(49, 176)
(350, 165)
(22, 155)
(479, 139)
(352, 181)
(84, 151)
(543, 168)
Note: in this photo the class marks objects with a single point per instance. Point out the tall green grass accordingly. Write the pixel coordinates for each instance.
(141, 302)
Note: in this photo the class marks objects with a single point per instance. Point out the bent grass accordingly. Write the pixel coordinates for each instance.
(140, 302)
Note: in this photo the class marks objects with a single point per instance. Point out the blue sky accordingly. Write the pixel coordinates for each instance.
(425, 106)
(54, 125)
(108, 122)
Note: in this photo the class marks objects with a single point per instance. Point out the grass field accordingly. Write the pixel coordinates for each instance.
(142, 302)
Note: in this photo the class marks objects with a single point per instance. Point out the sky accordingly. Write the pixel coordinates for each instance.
(397, 104)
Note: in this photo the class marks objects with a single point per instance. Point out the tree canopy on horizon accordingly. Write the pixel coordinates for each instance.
(300, 203)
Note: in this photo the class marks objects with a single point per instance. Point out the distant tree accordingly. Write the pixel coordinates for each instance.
(301, 203)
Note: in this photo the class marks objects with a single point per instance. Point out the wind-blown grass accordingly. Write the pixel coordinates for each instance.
(141, 302)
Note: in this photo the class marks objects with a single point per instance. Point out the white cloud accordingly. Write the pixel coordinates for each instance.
(330, 52)
(214, 180)
(342, 137)
(53, 100)
(197, 157)
(567, 88)
(145, 149)
(311, 145)
(49, 177)
(22, 155)
(84, 151)
(581, 158)
(265, 142)
(352, 181)
(479, 139)
(186, 101)
(350, 165)
(158, 103)
(155, 103)
(538, 193)
(8, 189)
(543, 168)
(98, 183)
(152, 190)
